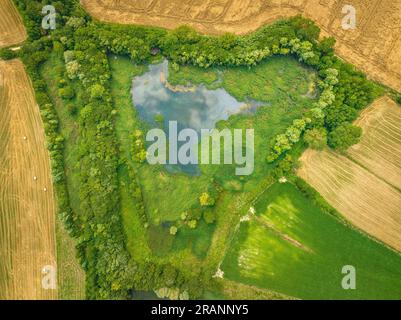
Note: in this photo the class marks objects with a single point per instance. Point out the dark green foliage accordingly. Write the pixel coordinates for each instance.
(285, 167)
(326, 46)
(398, 99)
(314, 196)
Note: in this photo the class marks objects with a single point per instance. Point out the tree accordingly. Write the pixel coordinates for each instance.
(97, 91)
(66, 93)
(72, 68)
(7, 54)
(192, 224)
(327, 44)
(316, 138)
(344, 136)
(398, 99)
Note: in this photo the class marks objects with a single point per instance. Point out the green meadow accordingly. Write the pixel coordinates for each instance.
(290, 246)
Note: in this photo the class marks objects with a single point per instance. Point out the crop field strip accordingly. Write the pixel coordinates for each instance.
(379, 149)
(12, 30)
(27, 207)
(365, 200)
(374, 47)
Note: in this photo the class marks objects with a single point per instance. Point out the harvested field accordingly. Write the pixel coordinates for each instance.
(364, 199)
(380, 148)
(27, 207)
(12, 30)
(374, 46)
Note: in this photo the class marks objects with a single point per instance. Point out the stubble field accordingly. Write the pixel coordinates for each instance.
(27, 207)
(12, 30)
(374, 46)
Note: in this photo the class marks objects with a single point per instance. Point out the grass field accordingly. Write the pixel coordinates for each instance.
(27, 206)
(290, 246)
(282, 84)
(12, 30)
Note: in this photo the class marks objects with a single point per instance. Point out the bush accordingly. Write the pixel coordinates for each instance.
(344, 136)
(206, 200)
(316, 138)
(66, 93)
(72, 109)
(7, 54)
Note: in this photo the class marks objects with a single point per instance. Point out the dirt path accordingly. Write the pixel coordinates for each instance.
(27, 206)
(374, 46)
(12, 30)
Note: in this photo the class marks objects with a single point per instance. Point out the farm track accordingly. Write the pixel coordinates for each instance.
(12, 30)
(374, 46)
(27, 206)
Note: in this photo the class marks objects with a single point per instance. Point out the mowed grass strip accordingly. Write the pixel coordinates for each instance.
(266, 258)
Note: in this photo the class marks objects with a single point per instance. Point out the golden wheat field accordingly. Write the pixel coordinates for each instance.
(361, 195)
(380, 148)
(374, 46)
(27, 207)
(12, 30)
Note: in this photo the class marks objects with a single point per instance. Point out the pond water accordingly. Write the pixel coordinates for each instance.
(196, 107)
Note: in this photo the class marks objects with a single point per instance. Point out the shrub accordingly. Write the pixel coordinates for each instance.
(344, 136)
